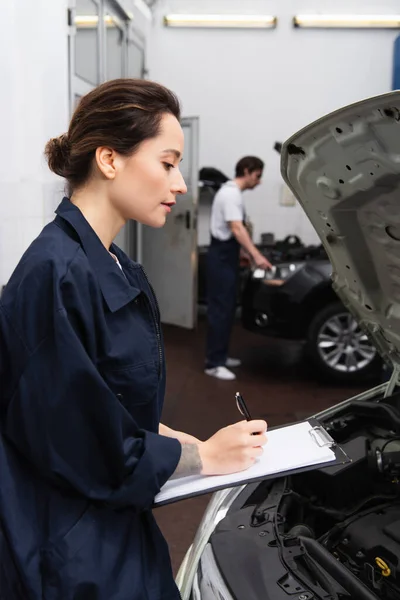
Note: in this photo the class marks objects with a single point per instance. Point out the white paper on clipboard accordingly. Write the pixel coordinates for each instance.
(288, 448)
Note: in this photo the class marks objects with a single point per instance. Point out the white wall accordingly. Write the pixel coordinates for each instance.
(33, 107)
(251, 88)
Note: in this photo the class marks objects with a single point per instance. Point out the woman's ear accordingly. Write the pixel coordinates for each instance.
(105, 160)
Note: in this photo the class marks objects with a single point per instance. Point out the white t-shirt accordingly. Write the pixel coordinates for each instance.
(118, 263)
(227, 206)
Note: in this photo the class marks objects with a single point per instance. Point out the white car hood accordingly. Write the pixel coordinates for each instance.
(344, 170)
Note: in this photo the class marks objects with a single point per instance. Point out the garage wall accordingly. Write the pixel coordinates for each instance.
(251, 88)
(33, 107)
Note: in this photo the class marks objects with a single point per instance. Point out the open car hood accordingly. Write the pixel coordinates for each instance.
(344, 169)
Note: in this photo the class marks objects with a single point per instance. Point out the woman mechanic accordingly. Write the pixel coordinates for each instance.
(82, 371)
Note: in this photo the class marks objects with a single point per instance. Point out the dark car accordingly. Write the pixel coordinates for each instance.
(296, 301)
(332, 532)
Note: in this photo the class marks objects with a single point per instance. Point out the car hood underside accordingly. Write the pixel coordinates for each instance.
(345, 171)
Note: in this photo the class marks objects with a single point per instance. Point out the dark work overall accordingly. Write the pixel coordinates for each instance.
(222, 281)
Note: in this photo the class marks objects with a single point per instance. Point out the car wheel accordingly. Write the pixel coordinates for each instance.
(338, 347)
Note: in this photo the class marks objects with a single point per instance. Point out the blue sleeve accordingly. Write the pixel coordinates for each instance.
(63, 417)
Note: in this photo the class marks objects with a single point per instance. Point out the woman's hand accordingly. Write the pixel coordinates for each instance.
(233, 448)
(230, 450)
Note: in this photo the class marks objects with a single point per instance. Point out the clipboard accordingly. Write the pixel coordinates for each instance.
(309, 430)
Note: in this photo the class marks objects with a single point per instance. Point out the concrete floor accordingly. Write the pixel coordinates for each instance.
(274, 381)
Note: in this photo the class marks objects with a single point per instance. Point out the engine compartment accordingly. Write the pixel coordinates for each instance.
(330, 533)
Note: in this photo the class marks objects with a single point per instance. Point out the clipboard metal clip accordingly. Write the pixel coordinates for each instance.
(322, 437)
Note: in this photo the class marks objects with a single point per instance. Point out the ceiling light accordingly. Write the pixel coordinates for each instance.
(91, 21)
(348, 21)
(233, 21)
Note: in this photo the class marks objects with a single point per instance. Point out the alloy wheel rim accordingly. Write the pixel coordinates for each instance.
(343, 346)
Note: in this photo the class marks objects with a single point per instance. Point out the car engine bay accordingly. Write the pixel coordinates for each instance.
(325, 534)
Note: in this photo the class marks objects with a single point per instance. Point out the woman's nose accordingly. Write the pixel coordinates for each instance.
(179, 186)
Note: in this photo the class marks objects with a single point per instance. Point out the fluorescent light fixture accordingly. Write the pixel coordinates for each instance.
(91, 21)
(233, 21)
(348, 21)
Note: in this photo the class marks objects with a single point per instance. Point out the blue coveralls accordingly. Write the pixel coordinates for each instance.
(82, 382)
(222, 282)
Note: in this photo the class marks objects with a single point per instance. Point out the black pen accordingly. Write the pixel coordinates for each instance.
(242, 408)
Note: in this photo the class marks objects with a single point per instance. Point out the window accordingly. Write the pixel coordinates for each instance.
(103, 45)
(86, 41)
(115, 46)
(135, 60)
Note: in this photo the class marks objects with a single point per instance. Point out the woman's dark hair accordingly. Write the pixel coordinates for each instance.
(119, 114)
(249, 164)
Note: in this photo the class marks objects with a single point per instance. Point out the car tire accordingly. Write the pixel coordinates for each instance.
(338, 349)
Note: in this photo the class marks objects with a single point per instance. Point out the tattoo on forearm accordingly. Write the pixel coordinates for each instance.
(190, 462)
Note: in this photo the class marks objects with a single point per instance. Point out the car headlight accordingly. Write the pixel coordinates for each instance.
(215, 512)
(278, 274)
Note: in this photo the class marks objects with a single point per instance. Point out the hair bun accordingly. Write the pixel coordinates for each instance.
(57, 152)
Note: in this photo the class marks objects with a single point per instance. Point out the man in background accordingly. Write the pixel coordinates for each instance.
(228, 235)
